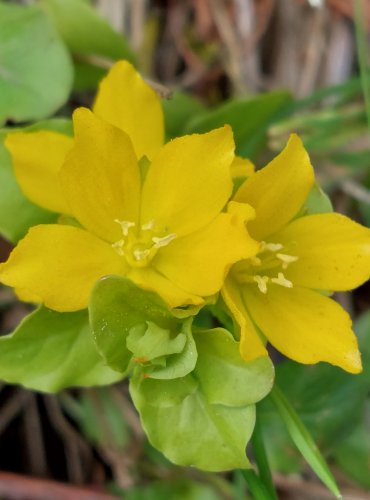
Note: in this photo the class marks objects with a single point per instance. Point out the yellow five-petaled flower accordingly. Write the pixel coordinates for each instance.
(139, 209)
(282, 290)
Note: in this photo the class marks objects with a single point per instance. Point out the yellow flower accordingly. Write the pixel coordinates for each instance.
(143, 210)
(281, 290)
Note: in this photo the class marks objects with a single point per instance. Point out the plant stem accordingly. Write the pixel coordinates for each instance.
(260, 456)
(255, 485)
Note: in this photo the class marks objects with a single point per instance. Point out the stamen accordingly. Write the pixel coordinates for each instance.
(261, 282)
(125, 225)
(162, 242)
(286, 259)
(148, 226)
(141, 254)
(273, 247)
(281, 280)
(118, 246)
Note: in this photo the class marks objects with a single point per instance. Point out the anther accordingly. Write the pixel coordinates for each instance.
(261, 282)
(273, 247)
(162, 242)
(148, 226)
(281, 280)
(118, 246)
(286, 259)
(125, 225)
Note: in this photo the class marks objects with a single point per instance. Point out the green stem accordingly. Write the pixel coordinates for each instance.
(255, 485)
(361, 46)
(260, 456)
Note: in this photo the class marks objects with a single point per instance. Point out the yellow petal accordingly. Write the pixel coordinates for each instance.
(189, 181)
(278, 191)
(58, 266)
(305, 326)
(125, 100)
(251, 346)
(152, 280)
(241, 167)
(100, 177)
(37, 158)
(333, 252)
(200, 261)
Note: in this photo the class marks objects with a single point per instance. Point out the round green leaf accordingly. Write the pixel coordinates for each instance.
(50, 351)
(36, 72)
(147, 341)
(116, 306)
(248, 117)
(194, 432)
(84, 31)
(162, 393)
(225, 378)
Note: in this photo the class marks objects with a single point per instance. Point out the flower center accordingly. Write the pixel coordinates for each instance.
(266, 267)
(139, 245)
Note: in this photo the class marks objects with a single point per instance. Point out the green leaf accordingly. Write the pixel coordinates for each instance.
(260, 456)
(148, 341)
(353, 453)
(36, 72)
(178, 110)
(206, 418)
(162, 393)
(318, 202)
(226, 378)
(256, 486)
(84, 31)
(173, 354)
(117, 305)
(303, 440)
(17, 213)
(194, 432)
(87, 76)
(249, 119)
(50, 351)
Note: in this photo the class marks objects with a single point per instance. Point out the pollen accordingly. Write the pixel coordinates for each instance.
(286, 259)
(125, 225)
(148, 226)
(118, 246)
(164, 241)
(139, 244)
(261, 282)
(273, 247)
(282, 281)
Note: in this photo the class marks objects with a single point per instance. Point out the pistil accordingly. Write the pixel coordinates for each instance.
(270, 262)
(139, 245)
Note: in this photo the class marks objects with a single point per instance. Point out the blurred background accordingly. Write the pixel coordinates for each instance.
(269, 68)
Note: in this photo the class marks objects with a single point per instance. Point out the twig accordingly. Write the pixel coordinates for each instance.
(71, 439)
(17, 487)
(356, 191)
(34, 438)
(118, 458)
(12, 407)
(299, 489)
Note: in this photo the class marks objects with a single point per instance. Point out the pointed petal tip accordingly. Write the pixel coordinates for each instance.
(352, 362)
